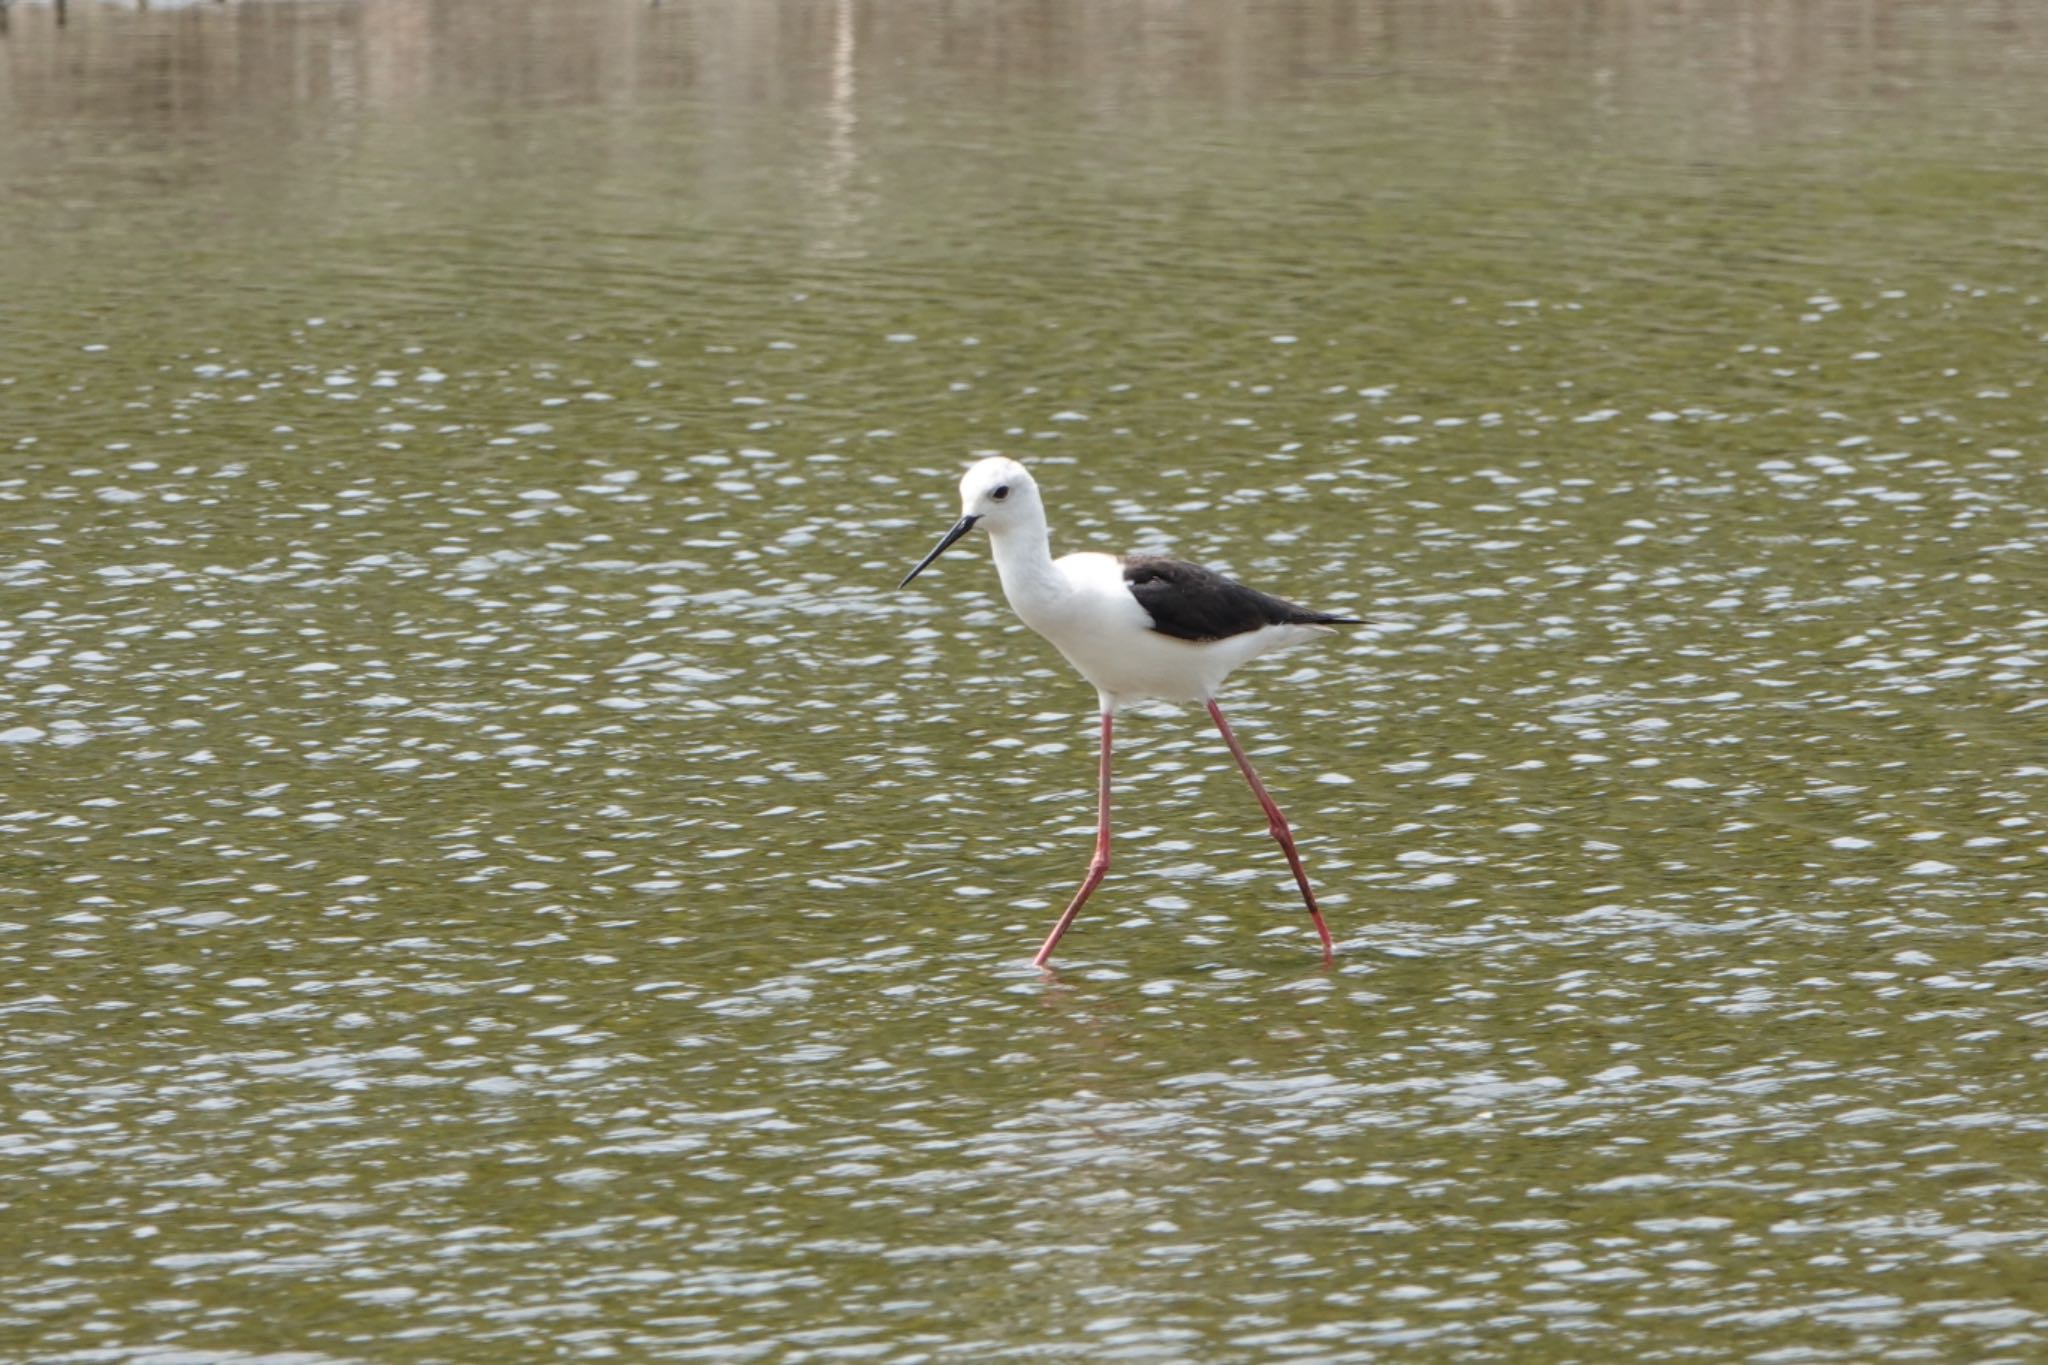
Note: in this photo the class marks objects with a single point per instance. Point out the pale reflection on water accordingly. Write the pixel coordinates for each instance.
(488, 859)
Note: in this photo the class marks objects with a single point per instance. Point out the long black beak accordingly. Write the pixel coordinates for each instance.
(960, 528)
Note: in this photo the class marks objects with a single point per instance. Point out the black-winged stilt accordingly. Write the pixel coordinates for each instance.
(1138, 627)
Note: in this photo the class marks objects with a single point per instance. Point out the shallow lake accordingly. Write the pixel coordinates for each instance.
(489, 864)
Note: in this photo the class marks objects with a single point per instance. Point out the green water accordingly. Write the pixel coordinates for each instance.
(490, 867)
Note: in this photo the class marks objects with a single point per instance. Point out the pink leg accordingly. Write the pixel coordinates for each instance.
(1277, 824)
(1097, 866)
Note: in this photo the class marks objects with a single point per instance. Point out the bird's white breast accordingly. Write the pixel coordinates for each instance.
(1091, 617)
(1094, 608)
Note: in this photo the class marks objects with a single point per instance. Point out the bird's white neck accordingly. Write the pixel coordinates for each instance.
(1023, 555)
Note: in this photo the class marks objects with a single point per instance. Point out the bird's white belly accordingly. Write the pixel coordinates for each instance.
(1109, 638)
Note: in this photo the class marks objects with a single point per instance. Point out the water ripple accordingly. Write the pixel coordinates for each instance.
(488, 856)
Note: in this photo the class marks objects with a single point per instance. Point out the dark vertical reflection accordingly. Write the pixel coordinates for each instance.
(1757, 57)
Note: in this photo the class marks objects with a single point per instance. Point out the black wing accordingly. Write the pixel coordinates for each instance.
(1190, 602)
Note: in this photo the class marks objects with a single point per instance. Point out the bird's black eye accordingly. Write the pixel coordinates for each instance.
(1002, 491)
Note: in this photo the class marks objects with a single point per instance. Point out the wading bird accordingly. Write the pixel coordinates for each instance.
(1138, 627)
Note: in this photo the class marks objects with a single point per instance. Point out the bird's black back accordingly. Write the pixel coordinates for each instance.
(1190, 602)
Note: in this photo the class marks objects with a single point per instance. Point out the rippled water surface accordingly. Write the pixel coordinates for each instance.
(489, 865)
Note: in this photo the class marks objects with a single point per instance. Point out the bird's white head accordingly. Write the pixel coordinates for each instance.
(996, 493)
